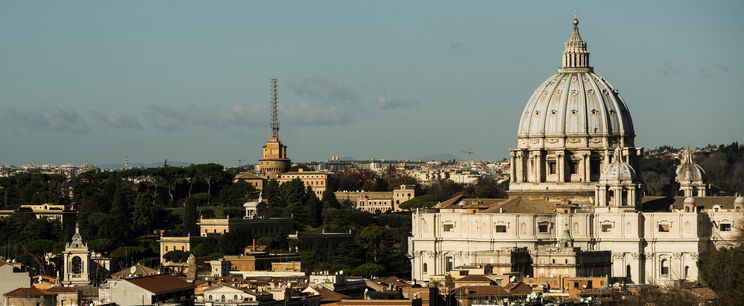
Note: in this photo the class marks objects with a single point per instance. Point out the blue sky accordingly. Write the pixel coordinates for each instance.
(93, 81)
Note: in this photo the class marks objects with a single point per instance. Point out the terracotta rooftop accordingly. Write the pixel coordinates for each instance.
(62, 289)
(474, 278)
(522, 205)
(328, 295)
(28, 292)
(162, 283)
(139, 270)
(481, 290)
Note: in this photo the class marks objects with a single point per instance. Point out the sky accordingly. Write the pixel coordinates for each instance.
(94, 81)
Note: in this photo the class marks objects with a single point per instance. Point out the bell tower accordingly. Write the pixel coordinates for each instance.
(76, 261)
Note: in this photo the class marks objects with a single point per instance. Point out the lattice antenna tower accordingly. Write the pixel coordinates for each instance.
(274, 106)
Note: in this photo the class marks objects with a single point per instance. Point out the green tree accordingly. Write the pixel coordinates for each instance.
(177, 256)
(143, 218)
(723, 271)
(424, 201)
(190, 218)
(368, 270)
(272, 195)
(372, 238)
(329, 199)
(313, 209)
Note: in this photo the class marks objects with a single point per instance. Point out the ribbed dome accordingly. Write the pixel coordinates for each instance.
(618, 170)
(575, 101)
(688, 170)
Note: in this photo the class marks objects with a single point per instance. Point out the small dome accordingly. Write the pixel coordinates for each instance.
(618, 170)
(688, 170)
(739, 200)
(689, 200)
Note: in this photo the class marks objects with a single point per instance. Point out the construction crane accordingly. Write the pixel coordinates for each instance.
(469, 152)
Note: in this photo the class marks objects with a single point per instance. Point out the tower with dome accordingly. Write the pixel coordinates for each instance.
(574, 179)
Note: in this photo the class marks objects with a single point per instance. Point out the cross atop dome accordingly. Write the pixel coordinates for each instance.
(575, 54)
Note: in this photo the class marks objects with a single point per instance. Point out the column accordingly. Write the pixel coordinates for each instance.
(561, 165)
(540, 166)
(512, 167)
(587, 165)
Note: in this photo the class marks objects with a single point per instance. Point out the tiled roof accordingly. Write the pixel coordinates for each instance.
(522, 205)
(162, 283)
(328, 295)
(247, 175)
(481, 290)
(139, 270)
(62, 289)
(28, 292)
(474, 278)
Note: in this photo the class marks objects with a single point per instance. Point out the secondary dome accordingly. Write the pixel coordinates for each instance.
(575, 101)
(688, 170)
(618, 170)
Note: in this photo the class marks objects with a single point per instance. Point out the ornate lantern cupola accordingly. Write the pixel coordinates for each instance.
(575, 55)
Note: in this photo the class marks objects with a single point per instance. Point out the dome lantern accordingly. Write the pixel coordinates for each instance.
(575, 54)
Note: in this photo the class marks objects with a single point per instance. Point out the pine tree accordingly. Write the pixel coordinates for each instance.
(313, 209)
(329, 199)
(190, 218)
(144, 213)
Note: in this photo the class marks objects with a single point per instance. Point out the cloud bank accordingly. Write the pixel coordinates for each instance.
(47, 117)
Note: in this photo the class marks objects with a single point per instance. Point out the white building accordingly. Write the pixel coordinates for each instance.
(573, 170)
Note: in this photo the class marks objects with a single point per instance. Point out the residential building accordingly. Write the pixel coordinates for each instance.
(378, 201)
(12, 277)
(317, 180)
(30, 297)
(149, 290)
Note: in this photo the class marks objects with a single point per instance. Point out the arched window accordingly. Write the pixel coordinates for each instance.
(687, 272)
(77, 265)
(664, 267)
(627, 271)
(426, 268)
(235, 297)
(210, 297)
(223, 298)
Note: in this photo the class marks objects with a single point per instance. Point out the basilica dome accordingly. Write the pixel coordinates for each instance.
(575, 101)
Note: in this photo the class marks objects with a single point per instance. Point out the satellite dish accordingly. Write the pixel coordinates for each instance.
(133, 269)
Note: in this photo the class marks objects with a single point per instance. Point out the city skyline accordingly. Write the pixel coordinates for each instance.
(88, 82)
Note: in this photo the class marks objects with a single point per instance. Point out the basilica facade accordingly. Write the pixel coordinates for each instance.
(573, 179)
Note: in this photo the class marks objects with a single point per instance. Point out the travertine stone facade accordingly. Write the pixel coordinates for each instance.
(573, 173)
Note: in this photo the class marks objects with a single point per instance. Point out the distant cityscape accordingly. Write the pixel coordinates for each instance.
(577, 214)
